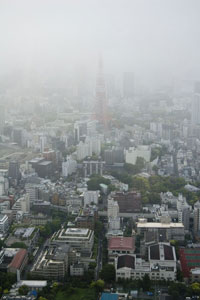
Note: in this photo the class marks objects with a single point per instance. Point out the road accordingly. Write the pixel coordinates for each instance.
(99, 258)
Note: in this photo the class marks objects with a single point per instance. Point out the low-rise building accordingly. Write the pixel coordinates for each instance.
(161, 264)
(77, 269)
(173, 231)
(120, 245)
(19, 262)
(52, 262)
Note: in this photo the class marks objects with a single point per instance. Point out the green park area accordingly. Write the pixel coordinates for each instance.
(77, 294)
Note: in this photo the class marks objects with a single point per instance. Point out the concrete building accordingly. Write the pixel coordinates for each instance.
(196, 109)
(80, 239)
(33, 285)
(33, 191)
(19, 262)
(44, 169)
(52, 263)
(161, 264)
(113, 208)
(13, 171)
(129, 202)
(69, 166)
(173, 231)
(92, 145)
(91, 197)
(133, 153)
(4, 183)
(4, 224)
(91, 167)
(197, 218)
(77, 269)
(120, 245)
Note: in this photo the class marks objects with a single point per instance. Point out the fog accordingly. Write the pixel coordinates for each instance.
(157, 40)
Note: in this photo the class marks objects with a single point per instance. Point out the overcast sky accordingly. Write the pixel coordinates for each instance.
(152, 38)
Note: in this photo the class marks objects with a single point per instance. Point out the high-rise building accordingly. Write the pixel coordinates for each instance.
(13, 171)
(196, 105)
(101, 110)
(128, 85)
(2, 118)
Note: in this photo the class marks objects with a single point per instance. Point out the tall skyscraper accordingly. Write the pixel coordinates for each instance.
(2, 118)
(196, 105)
(101, 111)
(128, 85)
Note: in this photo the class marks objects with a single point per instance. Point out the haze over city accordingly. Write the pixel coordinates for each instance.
(157, 40)
(99, 149)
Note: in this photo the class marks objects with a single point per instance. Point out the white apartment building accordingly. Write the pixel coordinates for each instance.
(91, 197)
(133, 153)
(22, 204)
(113, 209)
(90, 146)
(69, 167)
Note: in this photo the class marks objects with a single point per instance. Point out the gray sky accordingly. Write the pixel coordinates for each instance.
(153, 38)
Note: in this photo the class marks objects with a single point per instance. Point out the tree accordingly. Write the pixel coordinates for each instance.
(98, 228)
(42, 298)
(23, 290)
(98, 285)
(1, 244)
(195, 288)
(18, 245)
(146, 282)
(108, 273)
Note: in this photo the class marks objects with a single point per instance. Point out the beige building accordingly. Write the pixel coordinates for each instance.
(173, 231)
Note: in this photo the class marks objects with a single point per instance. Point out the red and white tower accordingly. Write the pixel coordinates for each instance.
(101, 112)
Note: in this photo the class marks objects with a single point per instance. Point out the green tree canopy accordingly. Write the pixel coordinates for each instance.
(108, 273)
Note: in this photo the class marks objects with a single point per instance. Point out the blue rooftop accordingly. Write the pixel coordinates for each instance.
(107, 296)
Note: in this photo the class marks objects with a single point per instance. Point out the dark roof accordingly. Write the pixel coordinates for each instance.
(168, 252)
(154, 252)
(126, 261)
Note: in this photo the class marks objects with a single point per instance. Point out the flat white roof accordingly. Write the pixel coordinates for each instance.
(159, 225)
(74, 231)
(32, 283)
(195, 271)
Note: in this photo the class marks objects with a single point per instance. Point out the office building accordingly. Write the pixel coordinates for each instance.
(196, 105)
(173, 231)
(4, 224)
(91, 167)
(80, 239)
(128, 202)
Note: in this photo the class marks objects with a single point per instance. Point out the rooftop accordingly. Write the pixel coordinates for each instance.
(127, 261)
(18, 259)
(121, 243)
(108, 296)
(159, 225)
(32, 283)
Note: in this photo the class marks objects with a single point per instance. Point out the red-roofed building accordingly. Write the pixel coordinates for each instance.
(120, 245)
(19, 261)
(190, 259)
